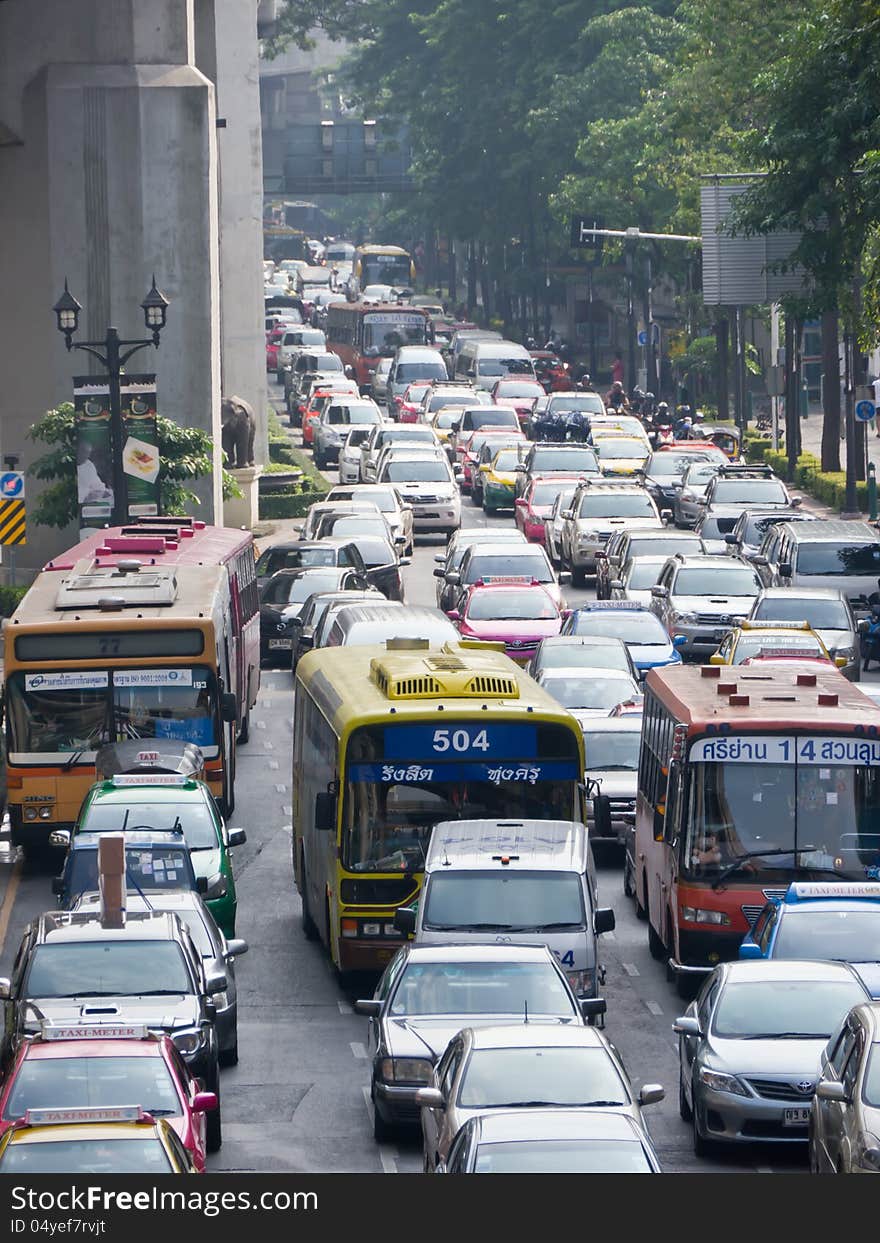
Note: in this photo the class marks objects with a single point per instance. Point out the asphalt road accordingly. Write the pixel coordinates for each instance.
(299, 1098)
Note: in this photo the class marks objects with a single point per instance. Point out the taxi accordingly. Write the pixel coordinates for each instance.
(619, 454)
(467, 451)
(751, 642)
(121, 1140)
(166, 802)
(105, 1065)
(838, 920)
(536, 504)
(498, 478)
(518, 612)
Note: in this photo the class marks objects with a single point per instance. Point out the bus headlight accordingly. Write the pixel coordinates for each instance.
(697, 915)
(45, 813)
(30, 813)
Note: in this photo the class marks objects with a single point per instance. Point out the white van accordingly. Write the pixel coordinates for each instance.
(484, 363)
(531, 882)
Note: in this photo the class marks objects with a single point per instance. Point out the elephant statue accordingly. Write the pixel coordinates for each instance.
(239, 427)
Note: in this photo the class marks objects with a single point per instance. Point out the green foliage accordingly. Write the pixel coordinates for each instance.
(829, 487)
(185, 454)
(9, 599)
(289, 504)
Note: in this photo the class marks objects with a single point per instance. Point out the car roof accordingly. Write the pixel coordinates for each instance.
(190, 791)
(614, 606)
(534, 1036)
(708, 561)
(583, 640)
(553, 845)
(631, 724)
(787, 969)
(64, 926)
(534, 1124)
(507, 546)
(579, 672)
(806, 593)
(479, 953)
(837, 529)
(53, 1050)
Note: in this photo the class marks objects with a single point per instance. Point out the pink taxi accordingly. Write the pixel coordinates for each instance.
(518, 612)
(536, 503)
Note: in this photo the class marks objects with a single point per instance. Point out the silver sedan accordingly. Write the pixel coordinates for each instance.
(749, 1048)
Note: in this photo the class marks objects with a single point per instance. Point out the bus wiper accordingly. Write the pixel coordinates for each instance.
(756, 854)
(75, 755)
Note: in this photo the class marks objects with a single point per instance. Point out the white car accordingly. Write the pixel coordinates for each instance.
(589, 693)
(387, 499)
(350, 455)
(635, 579)
(429, 486)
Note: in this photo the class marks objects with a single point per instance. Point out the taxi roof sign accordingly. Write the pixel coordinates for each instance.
(55, 1117)
(94, 1031)
(150, 779)
(804, 890)
(516, 580)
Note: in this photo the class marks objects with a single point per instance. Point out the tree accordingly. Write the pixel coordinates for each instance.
(185, 453)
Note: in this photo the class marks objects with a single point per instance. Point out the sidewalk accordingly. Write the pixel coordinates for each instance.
(811, 442)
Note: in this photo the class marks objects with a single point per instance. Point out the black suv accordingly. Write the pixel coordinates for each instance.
(70, 969)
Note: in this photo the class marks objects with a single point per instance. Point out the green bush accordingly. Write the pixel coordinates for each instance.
(288, 504)
(281, 452)
(9, 598)
(829, 487)
(756, 447)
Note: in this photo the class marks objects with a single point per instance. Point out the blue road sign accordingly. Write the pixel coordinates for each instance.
(12, 485)
(865, 411)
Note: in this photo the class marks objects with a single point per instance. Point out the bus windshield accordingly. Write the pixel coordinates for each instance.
(82, 710)
(385, 270)
(810, 817)
(386, 331)
(402, 779)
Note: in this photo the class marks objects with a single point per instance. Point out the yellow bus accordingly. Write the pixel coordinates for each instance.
(110, 648)
(388, 742)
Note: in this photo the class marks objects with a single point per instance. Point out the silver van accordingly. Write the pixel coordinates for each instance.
(832, 553)
(458, 340)
(484, 363)
(532, 882)
(412, 363)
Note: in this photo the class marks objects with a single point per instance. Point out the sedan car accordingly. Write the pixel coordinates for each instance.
(825, 609)
(687, 502)
(533, 508)
(385, 434)
(309, 529)
(307, 554)
(383, 565)
(752, 526)
(630, 542)
(316, 608)
(664, 473)
(387, 501)
(518, 395)
(552, 1141)
(635, 579)
(337, 417)
(517, 614)
(570, 651)
(762, 641)
(588, 693)
(555, 522)
(845, 1118)
(649, 644)
(699, 599)
(527, 1066)
(372, 625)
(501, 560)
(283, 597)
(494, 480)
(557, 459)
(470, 451)
(749, 1048)
(713, 527)
(451, 559)
(620, 455)
(102, 1141)
(406, 407)
(350, 455)
(429, 993)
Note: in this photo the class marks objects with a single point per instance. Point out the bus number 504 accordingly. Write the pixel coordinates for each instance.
(460, 740)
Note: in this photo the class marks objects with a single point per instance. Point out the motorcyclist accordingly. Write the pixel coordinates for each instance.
(682, 427)
(615, 398)
(577, 426)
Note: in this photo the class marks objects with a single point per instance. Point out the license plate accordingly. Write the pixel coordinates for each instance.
(721, 634)
(796, 1117)
(282, 643)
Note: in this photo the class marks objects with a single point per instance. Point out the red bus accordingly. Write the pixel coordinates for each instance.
(362, 333)
(748, 780)
(147, 631)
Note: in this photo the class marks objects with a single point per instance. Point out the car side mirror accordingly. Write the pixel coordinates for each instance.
(216, 982)
(679, 640)
(592, 1007)
(431, 1098)
(405, 561)
(602, 816)
(568, 513)
(519, 503)
(405, 919)
(730, 539)
(564, 576)
(861, 626)
(325, 811)
(228, 706)
(785, 569)
(204, 1102)
(840, 662)
(686, 1025)
(60, 837)
(453, 578)
(660, 593)
(757, 559)
(651, 1093)
(438, 573)
(368, 1007)
(453, 615)
(616, 584)
(5, 988)
(236, 837)
(716, 659)
(201, 884)
(520, 466)
(236, 947)
(831, 1090)
(603, 920)
(750, 950)
(58, 886)
(796, 502)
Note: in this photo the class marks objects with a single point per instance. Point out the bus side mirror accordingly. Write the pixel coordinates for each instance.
(602, 815)
(405, 919)
(325, 811)
(785, 569)
(228, 706)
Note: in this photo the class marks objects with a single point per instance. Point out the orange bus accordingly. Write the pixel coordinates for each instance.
(362, 333)
(749, 779)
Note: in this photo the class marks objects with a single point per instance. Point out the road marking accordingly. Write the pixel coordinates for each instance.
(630, 968)
(280, 789)
(9, 901)
(654, 1007)
(260, 724)
(287, 809)
(344, 1007)
(273, 764)
(359, 1049)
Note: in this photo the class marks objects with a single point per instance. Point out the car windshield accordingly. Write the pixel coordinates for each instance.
(699, 475)
(505, 366)
(492, 439)
(755, 528)
(444, 419)
(642, 575)
(642, 628)
(590, 403)
(87, 1156)
(846, 935)
(521, 901)
(572, 654)
(367, 633)
(716, 581)
(779, 1008)
(769, 645)
(500, 416)
(671, 464)
(296, 558)
(495, 1078)
(356, 437)
(607, 447)
(88, 1082)
(355, 414)
(616, 505)
(424, 471)
(511, 606)
(588, 692)
(716, 528)
(295, 589)
(328, 362)
(113, 815)
(420, 371)
(107, 968)
(499, 565)
(607, 750)
(821, 614)
(751, 491)
(519, 388)
(489, 987)
(375, 550)
(839, 559)
(563, 1156)
(404, 435)
(349, 527)
(506, 460)
(655, 546)
(573, 460)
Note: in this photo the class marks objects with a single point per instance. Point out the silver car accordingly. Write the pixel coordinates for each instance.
(350, 455)
(749, 1048)
(554, 522)
(428, 485)
(611, 749)
(581, 651)
(700, 598)
(597, 510)
(392, 433)
(635, 579)
(845, 1119)
(387, 501)
(828, 613)
(526, 1066)
(450, 560)
(687, 504)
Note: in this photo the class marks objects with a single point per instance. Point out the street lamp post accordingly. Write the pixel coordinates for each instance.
(116, 353)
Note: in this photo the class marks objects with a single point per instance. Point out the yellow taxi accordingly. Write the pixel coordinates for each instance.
(751, 642)
(619, 425)
(494, 483)
(442, 421)
(619, 454)
(118, 1140)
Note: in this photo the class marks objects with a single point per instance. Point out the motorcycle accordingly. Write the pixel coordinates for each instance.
(662, 435)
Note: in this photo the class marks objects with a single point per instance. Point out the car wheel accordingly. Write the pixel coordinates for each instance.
(213, 1121)
(702, 1147)
(684, 1110)
(309, 927)
(229, 1057)
(382, 1130)
(319, 461)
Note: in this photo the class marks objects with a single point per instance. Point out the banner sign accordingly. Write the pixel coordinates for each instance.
(773, 749)
(140, 444)
(94, 453)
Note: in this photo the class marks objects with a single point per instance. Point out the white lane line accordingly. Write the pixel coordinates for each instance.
(359, 1049)
(273, 765)
(260, 724)
(630, 968)
(280, 789)
(763, 1169)
(654, 1007)
(287, 809)
(344, 1007)
(387, 1152)
(270, 746)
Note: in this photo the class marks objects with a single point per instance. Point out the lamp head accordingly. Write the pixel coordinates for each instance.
(67, 311)
(155, 308)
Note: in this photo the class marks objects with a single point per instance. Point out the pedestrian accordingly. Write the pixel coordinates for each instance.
(617, 370)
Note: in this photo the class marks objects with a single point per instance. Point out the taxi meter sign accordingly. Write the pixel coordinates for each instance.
(865, 410)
